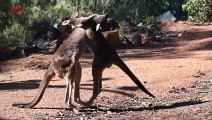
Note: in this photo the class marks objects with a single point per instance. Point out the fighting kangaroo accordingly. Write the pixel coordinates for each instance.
(104, 56)
(66, 60)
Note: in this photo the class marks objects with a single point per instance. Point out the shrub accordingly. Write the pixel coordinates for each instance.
(149, 20)
(193, 9)
(12, 36)
(206, 10)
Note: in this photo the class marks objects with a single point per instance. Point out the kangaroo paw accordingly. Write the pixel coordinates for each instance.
(74, 108)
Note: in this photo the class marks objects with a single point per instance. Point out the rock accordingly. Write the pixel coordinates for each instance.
(134, 38)
(167, 16)
(172, 87)
(180, 35)
(198, 74)
(109, 112)
(140, 24)
(184, 89)
(150, 105)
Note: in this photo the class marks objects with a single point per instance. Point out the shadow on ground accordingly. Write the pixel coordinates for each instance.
(130, 88)
(24, 85)
(104, 79)
(29, 84)
(157, 107)
(197, 34)
(34, 84)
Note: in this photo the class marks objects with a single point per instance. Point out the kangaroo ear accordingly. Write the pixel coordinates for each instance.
(85, 19)
(75, 15)
(97, 27)
(66, 22)
(81, 20)
(55, 25)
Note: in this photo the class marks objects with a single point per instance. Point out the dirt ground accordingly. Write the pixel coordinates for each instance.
(178, 73)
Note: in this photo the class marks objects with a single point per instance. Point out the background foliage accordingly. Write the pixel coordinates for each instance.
(13, 28)
(206, 10)
(193, 9)
(199, 10)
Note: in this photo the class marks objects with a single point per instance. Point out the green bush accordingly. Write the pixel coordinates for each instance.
(206, 10)
(138, 10)
(198, 10)
(4, 19)
(52, 11)
(12, 36)
(149, 20)
(193, 9)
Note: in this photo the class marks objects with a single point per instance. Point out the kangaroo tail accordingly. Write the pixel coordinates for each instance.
(43, 85)
(124, 68)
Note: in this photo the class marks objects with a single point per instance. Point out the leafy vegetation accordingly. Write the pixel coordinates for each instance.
(198, 10)
(14, 24)
(12, 36)
(193, 9)
(206, 10)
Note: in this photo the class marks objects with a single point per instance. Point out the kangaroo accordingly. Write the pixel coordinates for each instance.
(65, 60)
(104, 56)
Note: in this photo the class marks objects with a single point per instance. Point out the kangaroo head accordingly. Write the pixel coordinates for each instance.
(92, 21)
(65, 26)
(95, 21)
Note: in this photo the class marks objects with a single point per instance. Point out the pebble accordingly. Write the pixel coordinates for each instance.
(172, 87)
(109, 112)
(179, 35)
(184, 89)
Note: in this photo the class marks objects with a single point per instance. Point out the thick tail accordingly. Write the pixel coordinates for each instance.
(124, 68)
(44, 83)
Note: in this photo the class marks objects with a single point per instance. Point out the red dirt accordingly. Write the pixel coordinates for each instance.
(171, 71)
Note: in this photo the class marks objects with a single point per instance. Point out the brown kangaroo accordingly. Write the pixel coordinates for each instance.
(104, 57)
(65, 60)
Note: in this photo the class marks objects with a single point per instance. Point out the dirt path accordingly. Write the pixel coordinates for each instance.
(178, 73)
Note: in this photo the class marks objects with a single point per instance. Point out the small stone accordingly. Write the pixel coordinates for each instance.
(179, 35)
(150, 105)
(60, 113)
(184, 89)
(196, 76)
(172, 87)
(109, 112)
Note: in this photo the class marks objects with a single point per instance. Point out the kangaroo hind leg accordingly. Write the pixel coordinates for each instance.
(97, 70)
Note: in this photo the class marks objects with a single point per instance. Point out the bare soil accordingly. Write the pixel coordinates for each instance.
(177, 72)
